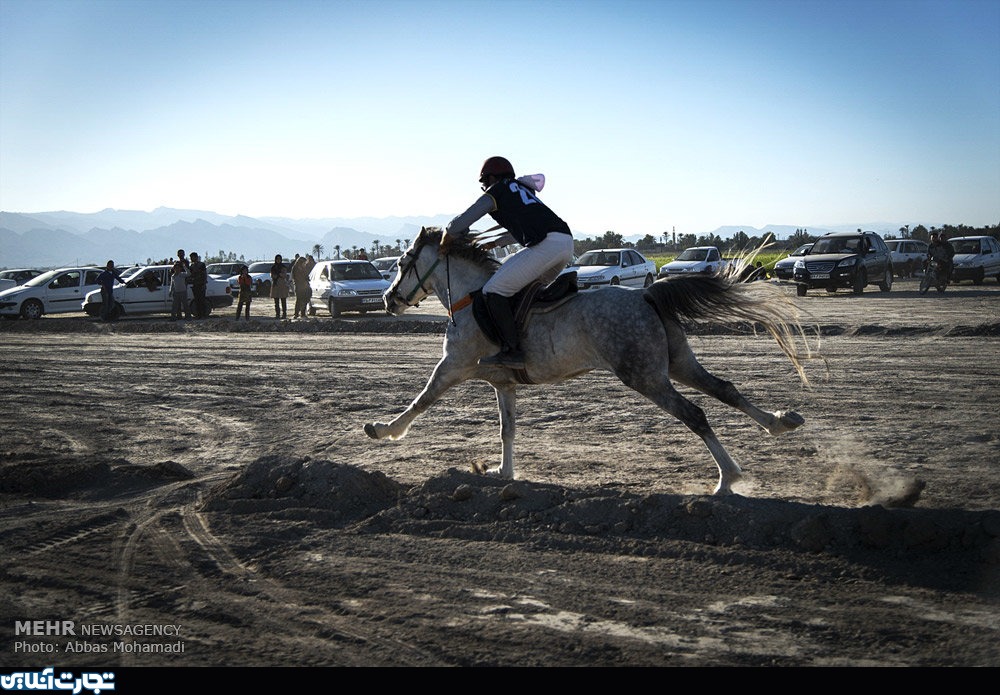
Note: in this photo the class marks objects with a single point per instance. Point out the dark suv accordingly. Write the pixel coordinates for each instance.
(844, 259)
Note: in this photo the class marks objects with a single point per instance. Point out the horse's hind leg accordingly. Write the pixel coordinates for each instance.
(685, 369)
(659, 390)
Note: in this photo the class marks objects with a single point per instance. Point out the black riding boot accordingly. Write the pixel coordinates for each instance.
(510, 354)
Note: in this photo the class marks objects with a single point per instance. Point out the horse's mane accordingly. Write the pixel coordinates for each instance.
(462, 247)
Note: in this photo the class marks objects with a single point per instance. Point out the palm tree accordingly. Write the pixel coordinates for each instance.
(317, 251)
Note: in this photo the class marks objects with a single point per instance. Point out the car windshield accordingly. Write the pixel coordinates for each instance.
(693, 255)
(801, 251)
(600, 258)
(836, 245)
(384, 263)
(967, 246)
(356, 271)
(40, 280)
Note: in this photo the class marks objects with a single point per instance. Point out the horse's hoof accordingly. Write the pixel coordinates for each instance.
(370, 430)
(787, 420)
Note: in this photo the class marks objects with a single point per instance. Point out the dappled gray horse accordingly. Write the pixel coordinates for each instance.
(634, 333)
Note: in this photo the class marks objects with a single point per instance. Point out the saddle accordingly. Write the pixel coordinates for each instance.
(536, 298)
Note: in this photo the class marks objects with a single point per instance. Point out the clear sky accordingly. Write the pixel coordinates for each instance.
(644, 115)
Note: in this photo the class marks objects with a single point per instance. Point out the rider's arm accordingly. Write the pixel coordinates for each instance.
(459, 226)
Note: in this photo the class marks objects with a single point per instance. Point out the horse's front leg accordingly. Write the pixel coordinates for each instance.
(444, 376)
(506, 402)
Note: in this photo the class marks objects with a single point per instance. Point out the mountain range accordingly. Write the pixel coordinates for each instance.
(55, 239)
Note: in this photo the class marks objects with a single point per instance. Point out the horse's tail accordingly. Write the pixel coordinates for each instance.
(725, 299)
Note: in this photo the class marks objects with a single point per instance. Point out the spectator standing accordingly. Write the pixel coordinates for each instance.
(279, 288)
(184, 261)
(301, 268)
(107, 280)
(199, 285)
(179, 291)
(246, 292)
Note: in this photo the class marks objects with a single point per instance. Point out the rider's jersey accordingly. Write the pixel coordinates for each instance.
(518, 210)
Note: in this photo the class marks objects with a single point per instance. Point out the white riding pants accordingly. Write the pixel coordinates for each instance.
(543, 261)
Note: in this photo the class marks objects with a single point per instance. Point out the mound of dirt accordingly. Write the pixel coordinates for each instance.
(299, 487)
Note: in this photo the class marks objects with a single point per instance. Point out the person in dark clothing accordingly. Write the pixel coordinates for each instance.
(199, 286)
(940, 249)
(547, 240)
(107, 280)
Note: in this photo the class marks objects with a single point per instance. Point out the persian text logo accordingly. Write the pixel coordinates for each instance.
(46, 680)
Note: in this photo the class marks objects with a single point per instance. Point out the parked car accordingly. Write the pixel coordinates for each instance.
(54, 292)
(224, 271)
(844, 259)
(17, 276)
(604, 267)
(907, 256)
(387, 266)
(260, 273)
(147, 291)
(783, 268)
(697, 259)
(341, 286)
(976, 258)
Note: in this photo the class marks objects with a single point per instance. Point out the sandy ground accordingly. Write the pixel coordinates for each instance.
(210, 483)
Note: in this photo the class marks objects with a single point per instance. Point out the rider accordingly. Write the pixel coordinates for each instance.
(546, 238)
(940, 249)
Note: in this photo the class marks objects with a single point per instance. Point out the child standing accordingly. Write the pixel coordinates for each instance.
(178, 291)
(246, 292)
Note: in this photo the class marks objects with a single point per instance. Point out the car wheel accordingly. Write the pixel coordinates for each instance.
(859, 282)
(886, 284)
(616, 281)
(32, 309)
(980, 276)
(649, 281)
(800, 290)
(264, 289)
(208, 310)
(117, 311)
(831, 289)
(334, 311)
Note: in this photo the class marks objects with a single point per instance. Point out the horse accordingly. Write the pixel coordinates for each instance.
(635, 333)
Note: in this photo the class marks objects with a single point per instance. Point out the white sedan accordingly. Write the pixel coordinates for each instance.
(606, 267)
(147, 291)
(54, 292)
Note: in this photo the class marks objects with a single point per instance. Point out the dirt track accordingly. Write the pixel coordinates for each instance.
(215, 476)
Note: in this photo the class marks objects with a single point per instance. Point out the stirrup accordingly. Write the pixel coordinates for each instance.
(505, 358)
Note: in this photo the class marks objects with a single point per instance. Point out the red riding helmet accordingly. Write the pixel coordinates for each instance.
(496, 166)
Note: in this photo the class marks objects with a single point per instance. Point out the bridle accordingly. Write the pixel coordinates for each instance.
(411, 267)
